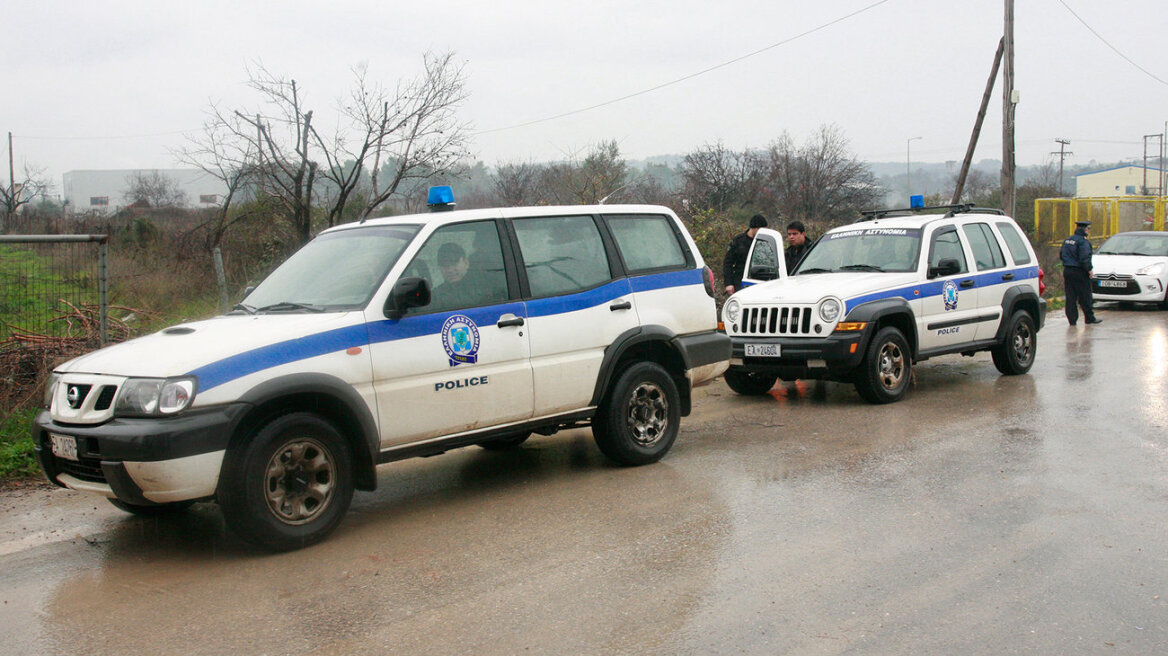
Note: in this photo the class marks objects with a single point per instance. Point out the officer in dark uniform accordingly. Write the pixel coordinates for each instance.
(1076, 257)
(734, 264)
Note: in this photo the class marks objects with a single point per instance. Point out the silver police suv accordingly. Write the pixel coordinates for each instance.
(872, 298)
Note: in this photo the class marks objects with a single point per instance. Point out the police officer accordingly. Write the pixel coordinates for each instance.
(1076, 257)
(734, 264)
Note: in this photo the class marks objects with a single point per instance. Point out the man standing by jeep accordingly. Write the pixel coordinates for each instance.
(1076, 257)
(734, 264)
(796, 244)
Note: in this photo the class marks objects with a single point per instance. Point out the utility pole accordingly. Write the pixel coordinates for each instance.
(1144, 190)
(1009, 100)
(981, 112)
(11, 174)
(1062, 153)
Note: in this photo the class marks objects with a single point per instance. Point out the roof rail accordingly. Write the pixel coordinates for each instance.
(959, 208)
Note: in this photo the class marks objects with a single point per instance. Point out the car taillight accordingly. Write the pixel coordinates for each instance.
(708, 280)
(1041, 284)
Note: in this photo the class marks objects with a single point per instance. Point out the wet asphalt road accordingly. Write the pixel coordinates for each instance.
(982, 515)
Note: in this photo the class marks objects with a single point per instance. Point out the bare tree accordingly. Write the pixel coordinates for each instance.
(601, 173)
(155, 189)
(515, 183)
(822, 180)
(718, 178)
(232, 162)
(19, 193)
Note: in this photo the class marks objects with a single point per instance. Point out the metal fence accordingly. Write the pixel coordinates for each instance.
(53, 287)
(1054, 218)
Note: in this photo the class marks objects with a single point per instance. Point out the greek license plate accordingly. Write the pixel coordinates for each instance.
(1113, 283)
(762, 351)
(64, 446)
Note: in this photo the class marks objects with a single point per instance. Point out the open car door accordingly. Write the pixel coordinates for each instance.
(765, 260)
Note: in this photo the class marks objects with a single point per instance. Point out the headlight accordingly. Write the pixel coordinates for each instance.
(155, 396)
(731, 310)
(1151, 270)
(50, 389)
(829, 310)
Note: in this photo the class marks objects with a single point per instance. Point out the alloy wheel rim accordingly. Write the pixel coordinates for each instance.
(1023, 344)
(648, 414)
(891, 366)
(299, 481)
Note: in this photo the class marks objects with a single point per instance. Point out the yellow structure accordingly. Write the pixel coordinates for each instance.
(1054, 218)
(1125, 180)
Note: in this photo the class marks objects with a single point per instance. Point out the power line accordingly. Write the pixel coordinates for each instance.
(124, 136)
(687, 77)
(1106, 43)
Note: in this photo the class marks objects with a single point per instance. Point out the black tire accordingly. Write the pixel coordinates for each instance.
(637, 422)
(153, 510)
(749, 383)
(885, 373)
(289, 485)
(1015, 355)
(1163, 304)
(505, 443)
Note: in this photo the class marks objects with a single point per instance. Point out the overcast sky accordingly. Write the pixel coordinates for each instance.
(108, 85)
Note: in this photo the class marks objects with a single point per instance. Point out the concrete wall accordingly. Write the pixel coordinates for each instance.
(104, 191)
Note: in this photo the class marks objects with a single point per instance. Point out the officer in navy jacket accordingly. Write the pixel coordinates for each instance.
(1076, 257)
(734, 264)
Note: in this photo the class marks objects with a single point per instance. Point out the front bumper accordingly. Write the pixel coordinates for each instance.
(141, 460)
(830, 358)
(1139, 289)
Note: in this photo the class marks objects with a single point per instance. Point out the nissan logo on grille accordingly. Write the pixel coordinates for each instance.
(75, 395)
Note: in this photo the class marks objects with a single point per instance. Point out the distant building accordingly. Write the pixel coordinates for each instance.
(1127, 180)
(105, 191)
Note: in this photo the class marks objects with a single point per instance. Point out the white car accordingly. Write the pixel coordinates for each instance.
(391, 339)
(1132, 267)
(871, 299)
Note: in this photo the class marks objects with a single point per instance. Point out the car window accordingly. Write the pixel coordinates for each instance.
(765, 255)
(463, 263)
(1015, 242)
(1128, 243)
(646, 242)
(984, 245)
(562, 254)
(946, 245)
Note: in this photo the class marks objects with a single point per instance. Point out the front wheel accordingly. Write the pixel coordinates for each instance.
(290, 484)
(886, 371)
(638, 420)
(1015, 355)
(749, 383)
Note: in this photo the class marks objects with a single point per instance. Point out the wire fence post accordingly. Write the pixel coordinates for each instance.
(103, 288)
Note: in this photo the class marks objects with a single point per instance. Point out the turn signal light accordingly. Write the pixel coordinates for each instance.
(848, 326)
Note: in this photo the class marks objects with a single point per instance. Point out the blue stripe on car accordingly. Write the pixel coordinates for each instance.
(388, 330)
(933, 288)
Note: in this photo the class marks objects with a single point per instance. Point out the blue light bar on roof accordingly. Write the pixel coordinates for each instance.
(440, 198)
(916, 201)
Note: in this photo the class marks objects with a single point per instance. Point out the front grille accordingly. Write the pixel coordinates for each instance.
(785, 320)
(86, 469)
(1129, 286)
(105, 397)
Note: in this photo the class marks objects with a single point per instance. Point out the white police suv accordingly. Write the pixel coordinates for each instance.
(870, 299)
(390, 339)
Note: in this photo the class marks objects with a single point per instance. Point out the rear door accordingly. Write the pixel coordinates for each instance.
(992, 277)
(765, 260)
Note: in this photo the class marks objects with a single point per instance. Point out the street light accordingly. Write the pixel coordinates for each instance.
(908, 163)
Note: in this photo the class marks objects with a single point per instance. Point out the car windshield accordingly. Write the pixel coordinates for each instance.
(864, 249)
(336, 271)
(1134, 244)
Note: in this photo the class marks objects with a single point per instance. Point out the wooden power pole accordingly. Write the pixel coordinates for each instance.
(981, 112)
(1009, 100)
(1062, 153)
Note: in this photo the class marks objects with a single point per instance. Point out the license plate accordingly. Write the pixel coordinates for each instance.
(762, 350)
(1113, 283)
(64, 446)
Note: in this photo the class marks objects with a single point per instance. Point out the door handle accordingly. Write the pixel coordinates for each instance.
(966, 284)
(622, 305)
(1007, 276)
(509, 320)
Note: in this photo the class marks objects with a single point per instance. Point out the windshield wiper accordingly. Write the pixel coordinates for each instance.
(290, 305)
(245, 307)
(861, 267)
(813, 270)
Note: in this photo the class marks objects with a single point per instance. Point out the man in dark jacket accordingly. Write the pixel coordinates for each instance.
(796, 244)
(734, 264)
(1076, 257)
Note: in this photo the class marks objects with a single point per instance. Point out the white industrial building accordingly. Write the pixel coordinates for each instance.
(105, 191)
(1127, 180)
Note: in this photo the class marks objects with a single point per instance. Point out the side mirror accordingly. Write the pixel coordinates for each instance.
(946, 267)
(763, 272)
(250, 289)
(407, 293)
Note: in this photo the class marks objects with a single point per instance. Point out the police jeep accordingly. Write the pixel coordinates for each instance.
(871, 299)
(391, 339)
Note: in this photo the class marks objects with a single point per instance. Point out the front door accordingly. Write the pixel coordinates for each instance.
(950, 304)
(765, 260)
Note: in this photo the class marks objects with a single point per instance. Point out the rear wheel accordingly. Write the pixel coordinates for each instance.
(637, 422)
(749, 383)
(886, 371)
(290, 484)
(1015, 355)
(153, 510)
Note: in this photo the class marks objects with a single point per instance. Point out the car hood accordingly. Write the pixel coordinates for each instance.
(181, 349)
(1122, 264)
(811, 287)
